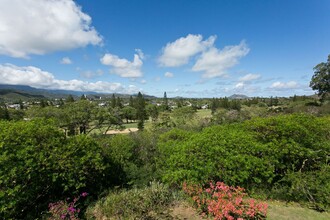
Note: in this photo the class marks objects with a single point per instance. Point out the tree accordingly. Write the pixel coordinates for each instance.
(165, 104)
(69, 99)
(128, 113)
(131, 101)
(152, 111)
(321, 79)
(4, 114)
(113, 101)
(83, 97)
(141, 112)
(119, 103)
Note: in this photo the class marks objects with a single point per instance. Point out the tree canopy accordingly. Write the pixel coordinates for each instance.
(321, 79)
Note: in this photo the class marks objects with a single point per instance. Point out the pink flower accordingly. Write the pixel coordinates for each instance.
(84, 194)
(71, 209)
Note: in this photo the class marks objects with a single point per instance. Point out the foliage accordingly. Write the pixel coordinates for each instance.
(129, 113)
(227, 152)
(257, 154)
(312, 187)
(4, 113)
(65, 209)
(145, 203)
(39, 164)
(140, 111)
(182, 116)
(321, 79)
(225, 202)
(134, 156)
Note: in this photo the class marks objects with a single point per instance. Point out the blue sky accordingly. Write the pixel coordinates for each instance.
(189, 48)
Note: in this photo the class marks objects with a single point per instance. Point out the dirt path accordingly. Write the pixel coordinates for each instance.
(125, 131)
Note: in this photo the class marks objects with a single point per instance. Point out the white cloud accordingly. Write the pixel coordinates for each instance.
(215, 62)
(91, 74)
(168, 74)
(239, 85)
(66, 60)
(177, 53)
(35, 77)
(43, 26)
(123, 67)
(283, 85)
(143, 81)
(249, 77)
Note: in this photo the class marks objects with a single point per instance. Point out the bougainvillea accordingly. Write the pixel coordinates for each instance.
(225, 202)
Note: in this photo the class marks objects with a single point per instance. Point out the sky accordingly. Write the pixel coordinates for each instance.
(188, 48)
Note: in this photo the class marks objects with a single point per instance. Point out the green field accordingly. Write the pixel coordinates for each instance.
(203, 113)
(283, 211)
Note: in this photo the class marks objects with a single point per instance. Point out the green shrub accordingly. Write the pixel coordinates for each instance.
(146, 203)
(40, 165)
(134, 155)
(258, 155)
(225, 153)
(312, 187)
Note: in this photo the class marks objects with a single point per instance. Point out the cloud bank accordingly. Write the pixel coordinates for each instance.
(35, 77)
(43, 26)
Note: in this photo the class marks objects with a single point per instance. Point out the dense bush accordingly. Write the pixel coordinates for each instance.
(225, 153)
(40, 165)
(134, 156)
(146, 203)
(256, 154)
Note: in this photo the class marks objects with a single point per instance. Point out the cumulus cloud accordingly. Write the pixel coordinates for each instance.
(66, 60)
(177, 53)
(215, 62)
(168, 74)
(123, 67)
(249, 77)
(43, 26)
(91, 74)
(35, 77)
(239, 85)
(284, 85)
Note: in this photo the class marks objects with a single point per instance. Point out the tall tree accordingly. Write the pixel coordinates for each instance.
(321, 79)
(165, 102)
(119, 103)
(141, 112)
(113, 101)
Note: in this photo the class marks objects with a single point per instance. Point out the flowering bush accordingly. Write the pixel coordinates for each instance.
(65, 209)
(225, 202)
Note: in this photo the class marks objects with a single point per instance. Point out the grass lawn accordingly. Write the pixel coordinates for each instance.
(283, 211)
(203, 113)
(130, 125)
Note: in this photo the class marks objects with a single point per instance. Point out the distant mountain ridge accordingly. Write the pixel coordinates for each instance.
(238, 96)
(23, 92)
